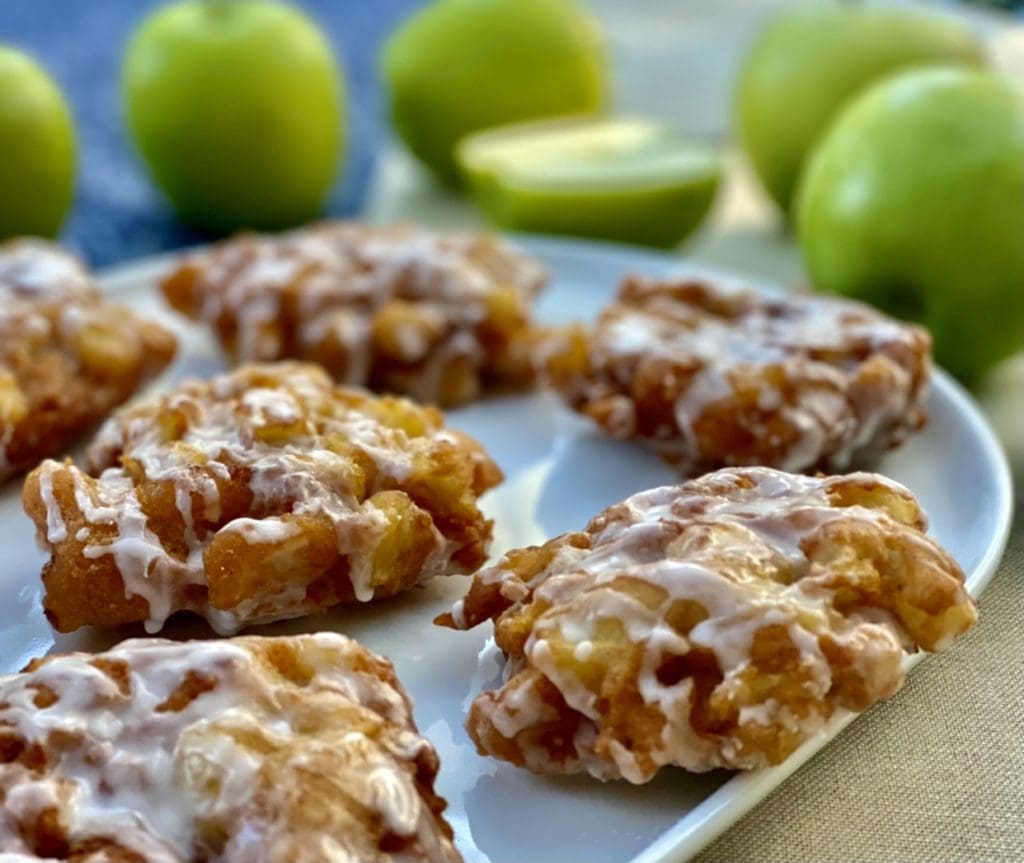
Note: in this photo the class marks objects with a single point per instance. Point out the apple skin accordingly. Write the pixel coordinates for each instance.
(661, 218)
(914, 201)
(808, 62)
(37, 149)
(517, 175)
(238, 110)
(458, 66)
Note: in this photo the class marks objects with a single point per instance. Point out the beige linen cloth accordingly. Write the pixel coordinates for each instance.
(935, 773)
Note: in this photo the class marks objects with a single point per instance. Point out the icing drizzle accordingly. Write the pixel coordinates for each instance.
(220, 751)
(248, 455)
(717, 623)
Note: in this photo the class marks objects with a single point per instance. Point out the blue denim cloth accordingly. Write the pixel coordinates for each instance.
(118, 214)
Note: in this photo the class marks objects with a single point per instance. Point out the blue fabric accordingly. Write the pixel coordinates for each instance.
(118, 214)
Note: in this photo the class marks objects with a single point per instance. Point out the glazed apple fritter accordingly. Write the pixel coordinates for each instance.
(710, 375)
(249, 750)
(67, 356)
(398, 309)
(261, 494)
(717, 623)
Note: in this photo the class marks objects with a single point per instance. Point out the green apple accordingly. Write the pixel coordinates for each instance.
(914, 201)
(462, 65)
(237, 109)
(37, 149)
(626, 180)
(808, 62)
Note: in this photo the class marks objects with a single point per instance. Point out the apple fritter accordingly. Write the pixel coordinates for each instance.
(710, 375)
(261, 494)
(67, 356)
(264, 750)
(397, 309)
(717, 623)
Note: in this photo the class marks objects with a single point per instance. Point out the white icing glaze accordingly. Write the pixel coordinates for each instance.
(711, 338)
(739, 545)
(261, 530)
(521, 709)
(338, 276)
(279, 428)
(39, 270)
(131, 767)
(36, 276)
(67, 355)
(56, 530)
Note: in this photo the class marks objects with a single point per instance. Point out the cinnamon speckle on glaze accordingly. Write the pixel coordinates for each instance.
(717, 623)
(709, 375)
(249, 750)
(261, 494)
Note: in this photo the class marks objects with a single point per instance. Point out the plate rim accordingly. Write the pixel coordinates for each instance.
(737, 796)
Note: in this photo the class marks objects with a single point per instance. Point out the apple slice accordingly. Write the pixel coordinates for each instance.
(629, 180)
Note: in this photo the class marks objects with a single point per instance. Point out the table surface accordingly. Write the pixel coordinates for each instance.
(935, 773)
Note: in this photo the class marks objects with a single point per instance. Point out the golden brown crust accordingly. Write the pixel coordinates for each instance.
(710, 375)
(67, 356)
(265, 750)
(261, 494)
(717, 623)
(398, 309)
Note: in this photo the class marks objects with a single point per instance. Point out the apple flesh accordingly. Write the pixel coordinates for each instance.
(237, 109)
(626, 180)
(914, 201)
(458, 66)
(808, 62)
(37, 149)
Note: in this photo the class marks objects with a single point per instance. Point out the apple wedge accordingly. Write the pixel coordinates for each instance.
(629, 180)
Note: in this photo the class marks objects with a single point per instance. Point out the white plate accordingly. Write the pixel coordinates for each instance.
(559, 473)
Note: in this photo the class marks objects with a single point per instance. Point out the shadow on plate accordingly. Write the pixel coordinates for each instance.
(514, 809)
(601, 471)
